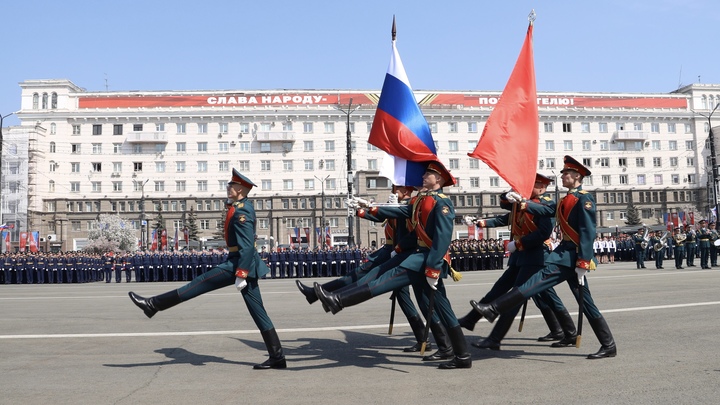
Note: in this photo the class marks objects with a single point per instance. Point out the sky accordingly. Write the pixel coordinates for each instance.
(625, 46)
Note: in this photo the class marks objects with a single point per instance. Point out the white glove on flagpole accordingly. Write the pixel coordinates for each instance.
(433, 282)
(581, 275)
(240, 283)
(513, 197)
(511, 246)
(469, 220)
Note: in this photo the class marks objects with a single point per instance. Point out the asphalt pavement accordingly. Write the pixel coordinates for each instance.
(88, 344)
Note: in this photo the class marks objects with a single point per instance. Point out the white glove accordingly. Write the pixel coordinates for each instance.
(469, 220)
(240, 283)
(393, 254)
(361, 202)
(581, 275)
(393, 198)
(513, 197)
(433, 282)
(351, 202)
(511, 246)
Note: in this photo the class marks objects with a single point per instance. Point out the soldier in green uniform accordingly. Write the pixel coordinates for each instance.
(690, 245)
(431, 216)
(703, 237)
(243, 267)
(713, 249)
(639, 240)
(571, 259)
(528, 250)
(679, 245)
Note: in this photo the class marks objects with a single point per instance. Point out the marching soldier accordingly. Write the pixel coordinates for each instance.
(431, 217)
(243, 267)
(528, 250)
(576, 215)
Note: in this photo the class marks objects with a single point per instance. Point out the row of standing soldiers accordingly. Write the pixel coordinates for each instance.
(474, 254)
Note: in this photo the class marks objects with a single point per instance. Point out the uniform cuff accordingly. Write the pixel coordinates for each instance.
(432, 273)
(480, 223)
(519, 245)
(583, 264)
(241, 273)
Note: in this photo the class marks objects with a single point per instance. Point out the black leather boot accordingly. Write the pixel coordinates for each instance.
(462, 357)
(568, 327)
(152, 305)
(556, 332)
(335, 302)
(486, 344)
(445, 350)
(504, 303)
(607, 343)
(274, 348)
(468, 321)
(418, 328)
(501, 328)
(308, 292)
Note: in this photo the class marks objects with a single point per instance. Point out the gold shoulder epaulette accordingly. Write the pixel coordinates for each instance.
(238, 204)
(441, 195)
(582, 192)
(546, 198)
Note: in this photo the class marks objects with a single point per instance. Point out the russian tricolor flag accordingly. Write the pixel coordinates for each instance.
(400, 129)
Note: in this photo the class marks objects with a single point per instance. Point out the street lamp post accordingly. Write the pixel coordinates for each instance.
(322, 206)
(348, 157)
(713, 159)
(143, 221)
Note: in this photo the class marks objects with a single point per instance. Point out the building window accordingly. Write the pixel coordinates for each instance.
(97, 167)
(265, 165)
(658, 179)
(75, 148)
(604, 145)
(160, 167)
(372, 164)
(202, 128)
(641, 179)
(307, 127)
(244, 165)
(180, 167)
(604, 162)
(548, 127)
(585, 127)
(330, 165)
(433, 127)
(673, 161)
(51, 186)
(159, 186)
(309, 164)
(640, 162)
(180, 128)
(74, 186)
(473, 163)
(309, 184)
(266, 185)
(603, 127)
(690, 161)
(329, 146)
(329, 127)
(452, 127)
(586, 145)
(672, 128)
(137, 166)
(622, 162)
(75, 167)
(550, 145)
(675, 178)
(623, 179)
(568, 145)
(550, 163)
(202, 147)
(244, 147)
(137, 149)
(567, 127)
(223, 147)
(452, 146)
(494, 181)
(472, 127)
(265, 147)
(307, 146)
(202, 185)
(202, 167)
(287, 185)
(287, 165)
(656, 145)
(691, 178)
(180, 147)
(454, 164)
(606, 180)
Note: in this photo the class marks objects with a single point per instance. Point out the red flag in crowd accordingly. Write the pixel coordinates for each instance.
(509, 141)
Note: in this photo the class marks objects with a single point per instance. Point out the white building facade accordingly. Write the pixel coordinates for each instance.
(151, 154)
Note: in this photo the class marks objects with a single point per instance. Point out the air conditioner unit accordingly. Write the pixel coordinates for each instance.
(52, 237)
(594, 141)
(42, 239)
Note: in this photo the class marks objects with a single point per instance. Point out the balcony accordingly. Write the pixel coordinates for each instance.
(147, 137)
(275, 136)
(631, 136)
